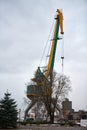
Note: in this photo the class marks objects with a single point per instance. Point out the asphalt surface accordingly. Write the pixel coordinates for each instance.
(36, 127)
(56, 128)
(45, 127)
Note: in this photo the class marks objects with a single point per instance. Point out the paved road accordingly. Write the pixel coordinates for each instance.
(34, 127)
(57, 128)
(50, 128)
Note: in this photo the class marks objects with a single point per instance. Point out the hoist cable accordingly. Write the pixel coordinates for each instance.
(46, 43)
(62, 47)
(62, 54)
(48, 53)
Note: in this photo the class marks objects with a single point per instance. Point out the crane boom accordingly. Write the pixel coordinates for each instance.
(59, 22)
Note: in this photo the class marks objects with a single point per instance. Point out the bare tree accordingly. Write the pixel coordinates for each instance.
(54, 90)
(60, 87)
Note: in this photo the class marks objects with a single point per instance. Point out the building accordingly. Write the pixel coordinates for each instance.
(67, 108)
(70, 114)
(77, 115)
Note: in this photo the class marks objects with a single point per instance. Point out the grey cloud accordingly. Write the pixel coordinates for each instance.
(24, 29)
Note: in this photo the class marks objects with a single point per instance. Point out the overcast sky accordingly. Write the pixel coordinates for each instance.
(24, 29)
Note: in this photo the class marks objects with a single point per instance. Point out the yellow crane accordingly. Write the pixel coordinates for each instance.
(40, 86)
(41, 78)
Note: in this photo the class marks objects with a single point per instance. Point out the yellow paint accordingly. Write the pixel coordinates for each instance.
(60, 15)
